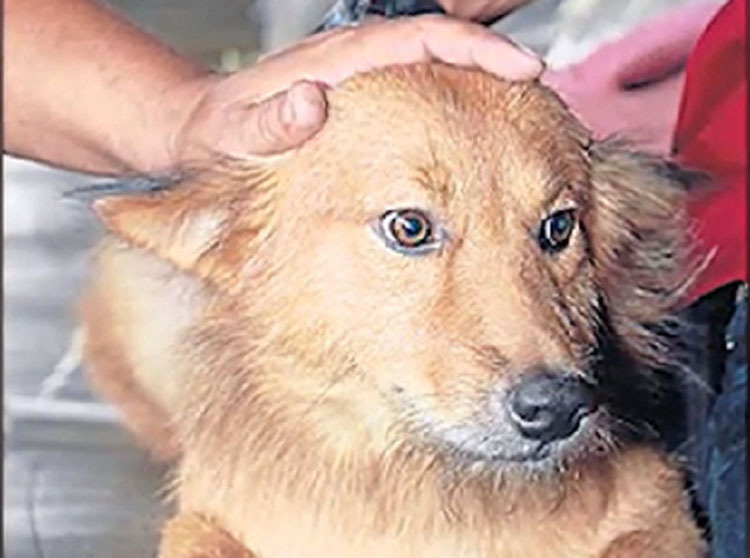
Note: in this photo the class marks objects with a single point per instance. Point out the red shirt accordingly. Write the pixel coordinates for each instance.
(711, 135)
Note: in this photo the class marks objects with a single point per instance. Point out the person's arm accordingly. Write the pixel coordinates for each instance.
(82, 87)
(86, 90)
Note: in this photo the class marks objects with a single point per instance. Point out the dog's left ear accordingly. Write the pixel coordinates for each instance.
(640, 239)
(186, 221)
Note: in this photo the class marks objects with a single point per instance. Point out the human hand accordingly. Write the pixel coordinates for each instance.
(280, 102)
(632, 87)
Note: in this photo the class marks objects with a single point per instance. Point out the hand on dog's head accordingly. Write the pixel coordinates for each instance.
(451, 264)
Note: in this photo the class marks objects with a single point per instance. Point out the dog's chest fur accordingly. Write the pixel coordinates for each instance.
(301, 508)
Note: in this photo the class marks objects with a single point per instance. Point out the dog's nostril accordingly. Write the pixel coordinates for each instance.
(548, 406)
(528, 409)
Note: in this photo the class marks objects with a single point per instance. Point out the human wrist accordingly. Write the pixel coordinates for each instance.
(168, 117)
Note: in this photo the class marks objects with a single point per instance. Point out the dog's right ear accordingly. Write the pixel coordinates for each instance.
(641, 241)
(186, 221)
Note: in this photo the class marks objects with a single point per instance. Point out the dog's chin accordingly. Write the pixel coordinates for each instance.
(497, 448)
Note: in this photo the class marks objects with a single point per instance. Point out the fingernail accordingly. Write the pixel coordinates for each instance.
(530, 61)
(529, 58)
(304, 106)
(520, 64)
(527, 51)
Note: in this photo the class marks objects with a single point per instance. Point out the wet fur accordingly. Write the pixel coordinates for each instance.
(293, 438)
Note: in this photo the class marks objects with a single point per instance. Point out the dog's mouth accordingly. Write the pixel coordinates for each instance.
(495, 447)
(495, 442)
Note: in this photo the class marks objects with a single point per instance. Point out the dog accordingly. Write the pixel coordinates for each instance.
(435, 329)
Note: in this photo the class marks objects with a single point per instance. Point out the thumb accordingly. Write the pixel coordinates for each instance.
(284, 120)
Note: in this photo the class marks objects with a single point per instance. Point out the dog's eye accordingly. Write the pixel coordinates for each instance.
(410, 228)
(555, 230)
(408, 231)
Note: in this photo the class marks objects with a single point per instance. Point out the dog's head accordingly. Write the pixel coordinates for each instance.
(451, 264)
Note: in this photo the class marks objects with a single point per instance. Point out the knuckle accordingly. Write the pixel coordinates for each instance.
(427, 23)
(268, 122)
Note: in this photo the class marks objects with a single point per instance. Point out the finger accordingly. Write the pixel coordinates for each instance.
(305, 42)
(465, 44)
(409, 40)
(421, 39)
(280, 122)
(317, 38)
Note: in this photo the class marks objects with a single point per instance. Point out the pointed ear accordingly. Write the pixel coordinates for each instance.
(180, 225)
(640, 241)
(187, 221)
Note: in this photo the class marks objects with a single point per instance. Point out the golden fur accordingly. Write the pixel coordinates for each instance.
(314, 382)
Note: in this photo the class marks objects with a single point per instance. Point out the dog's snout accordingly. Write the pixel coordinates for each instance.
(548, 406)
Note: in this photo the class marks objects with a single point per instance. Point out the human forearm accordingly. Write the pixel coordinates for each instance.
(83, 88)
(88, 91)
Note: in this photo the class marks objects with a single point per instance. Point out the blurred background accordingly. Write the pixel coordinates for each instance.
(76, 485)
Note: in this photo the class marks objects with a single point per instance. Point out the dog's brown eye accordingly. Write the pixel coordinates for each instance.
(555, 231)
(408, 231)
(410, 228)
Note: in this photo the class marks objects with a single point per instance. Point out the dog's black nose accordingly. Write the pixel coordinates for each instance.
(547, 406)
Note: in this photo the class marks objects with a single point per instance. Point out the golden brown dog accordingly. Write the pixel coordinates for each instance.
(410, 337)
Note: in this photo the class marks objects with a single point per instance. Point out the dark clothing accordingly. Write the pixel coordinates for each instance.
(721, 484)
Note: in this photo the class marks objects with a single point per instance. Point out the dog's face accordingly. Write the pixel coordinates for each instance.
(439, 265)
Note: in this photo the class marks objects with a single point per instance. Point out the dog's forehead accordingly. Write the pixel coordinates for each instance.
(439, 96)
(446, 125)
(455, 140)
